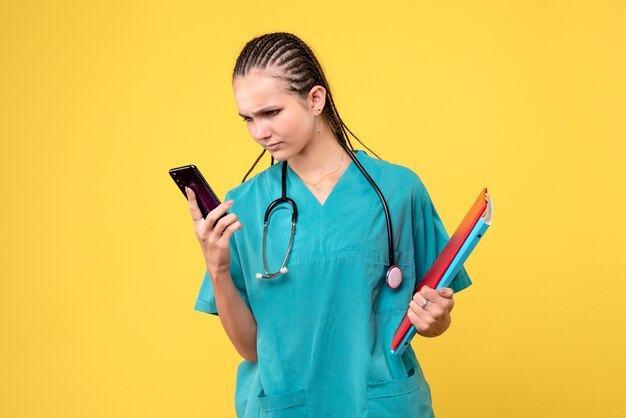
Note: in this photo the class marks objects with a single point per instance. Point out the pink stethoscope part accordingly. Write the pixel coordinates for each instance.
(394, 277)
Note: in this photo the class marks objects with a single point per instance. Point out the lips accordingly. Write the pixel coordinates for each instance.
(273, 147)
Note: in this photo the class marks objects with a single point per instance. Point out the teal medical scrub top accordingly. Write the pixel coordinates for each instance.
(324, 329)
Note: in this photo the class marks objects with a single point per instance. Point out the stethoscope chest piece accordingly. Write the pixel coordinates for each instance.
(394, 277)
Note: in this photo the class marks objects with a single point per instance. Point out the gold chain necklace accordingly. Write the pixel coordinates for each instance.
(320, 180)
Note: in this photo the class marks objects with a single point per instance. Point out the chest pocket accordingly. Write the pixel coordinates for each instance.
(385, 298)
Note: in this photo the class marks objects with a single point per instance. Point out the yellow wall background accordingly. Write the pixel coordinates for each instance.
(99, 264)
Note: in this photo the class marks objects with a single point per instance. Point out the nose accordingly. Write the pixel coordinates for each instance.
(260, 131)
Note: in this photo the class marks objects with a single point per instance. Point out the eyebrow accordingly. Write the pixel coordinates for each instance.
(261, 110)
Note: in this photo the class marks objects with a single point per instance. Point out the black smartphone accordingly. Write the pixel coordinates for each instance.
(190, 176)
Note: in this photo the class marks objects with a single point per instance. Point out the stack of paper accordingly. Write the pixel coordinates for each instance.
(450, 261)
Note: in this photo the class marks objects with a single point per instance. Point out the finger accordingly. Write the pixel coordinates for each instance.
(216, 213)
(421, 300)
(415, 320)
(422, 313)
(222, 224)
(447, 301)
(446, 292)
(420, 325)
(228, 232)
(438, 304)
(432, 295)
(435, 311)
(193, 204)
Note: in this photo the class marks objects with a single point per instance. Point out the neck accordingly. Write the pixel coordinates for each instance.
(319, 156)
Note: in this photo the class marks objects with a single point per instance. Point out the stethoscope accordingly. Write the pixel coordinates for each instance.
(394, 273)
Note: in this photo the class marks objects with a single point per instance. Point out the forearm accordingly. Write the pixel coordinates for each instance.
(236, 317)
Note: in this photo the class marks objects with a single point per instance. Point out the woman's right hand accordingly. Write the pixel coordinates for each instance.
(214, 234)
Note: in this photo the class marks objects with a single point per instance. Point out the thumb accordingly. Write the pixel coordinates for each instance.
(445, 292)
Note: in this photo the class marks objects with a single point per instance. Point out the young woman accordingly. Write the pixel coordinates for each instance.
(309, 301)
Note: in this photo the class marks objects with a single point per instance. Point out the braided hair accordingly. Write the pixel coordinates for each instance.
(301, 71)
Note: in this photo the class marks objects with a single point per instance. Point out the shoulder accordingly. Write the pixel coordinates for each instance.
(391, 173)
(400, 185)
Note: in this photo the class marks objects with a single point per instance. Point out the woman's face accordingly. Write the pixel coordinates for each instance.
(282, 122)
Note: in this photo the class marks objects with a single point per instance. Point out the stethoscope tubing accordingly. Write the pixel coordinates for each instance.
(266, 221)
(294, 218)
(382, 201)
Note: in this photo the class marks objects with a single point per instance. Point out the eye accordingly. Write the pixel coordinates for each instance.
(272, 112)
(246, 118)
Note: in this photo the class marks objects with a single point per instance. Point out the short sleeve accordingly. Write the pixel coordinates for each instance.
(205, 301)
(430, 239)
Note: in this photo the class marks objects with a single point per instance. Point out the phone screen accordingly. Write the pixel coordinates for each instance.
(191, 177)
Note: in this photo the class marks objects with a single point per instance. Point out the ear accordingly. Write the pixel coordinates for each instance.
(317, 99)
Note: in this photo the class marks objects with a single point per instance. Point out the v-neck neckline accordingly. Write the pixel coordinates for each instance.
(338, 183)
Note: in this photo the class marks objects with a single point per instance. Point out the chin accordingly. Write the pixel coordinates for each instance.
(281, 155)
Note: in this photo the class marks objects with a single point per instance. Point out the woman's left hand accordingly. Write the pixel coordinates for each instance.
(429, 311)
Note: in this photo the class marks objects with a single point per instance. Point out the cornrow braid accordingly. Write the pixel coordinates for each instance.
(301, 71)
(254, 165)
